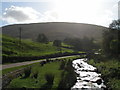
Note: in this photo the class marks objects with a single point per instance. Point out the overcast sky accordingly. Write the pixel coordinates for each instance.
(99, 12)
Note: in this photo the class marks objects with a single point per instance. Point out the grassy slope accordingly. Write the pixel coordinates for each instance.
(11, 47)
(31, 83)
(110, 72)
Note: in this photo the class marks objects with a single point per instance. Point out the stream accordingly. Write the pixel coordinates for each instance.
(87, 77)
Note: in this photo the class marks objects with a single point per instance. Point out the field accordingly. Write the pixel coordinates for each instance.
(13, 47)
(50, 75)
(31, 82)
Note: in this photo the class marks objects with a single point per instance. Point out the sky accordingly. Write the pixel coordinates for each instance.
(98, 12)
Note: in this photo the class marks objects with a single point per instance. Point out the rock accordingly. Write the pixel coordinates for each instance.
(99, 81)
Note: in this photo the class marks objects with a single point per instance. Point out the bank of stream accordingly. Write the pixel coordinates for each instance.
(87, 76)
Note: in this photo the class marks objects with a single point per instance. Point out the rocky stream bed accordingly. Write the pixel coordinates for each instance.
(87, 76)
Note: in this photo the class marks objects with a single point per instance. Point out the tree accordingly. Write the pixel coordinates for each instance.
(111, 39)
(87, 44)
(75, 42)
(57, 43)
(77, 45)
(84, 44)
(42, 38)
(114, 46)
(115, 24)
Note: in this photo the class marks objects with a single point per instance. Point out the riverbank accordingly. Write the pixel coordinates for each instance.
(110, 71)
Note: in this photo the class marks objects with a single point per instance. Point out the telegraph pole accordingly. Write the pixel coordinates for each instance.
(20, 35)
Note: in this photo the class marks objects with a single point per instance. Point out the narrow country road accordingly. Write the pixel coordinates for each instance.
(28, 62)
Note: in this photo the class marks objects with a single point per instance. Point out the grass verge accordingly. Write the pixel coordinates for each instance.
(110, 70)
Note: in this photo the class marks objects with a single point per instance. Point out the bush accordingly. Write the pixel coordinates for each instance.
(42, 63)
(49, 78)
(27, 72)
(68, 77)
(62, 65)
(34, 75)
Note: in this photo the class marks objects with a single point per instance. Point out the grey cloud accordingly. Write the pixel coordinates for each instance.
(20, 14)
(17, 15)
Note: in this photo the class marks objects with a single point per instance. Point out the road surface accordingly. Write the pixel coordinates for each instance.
(27, 62)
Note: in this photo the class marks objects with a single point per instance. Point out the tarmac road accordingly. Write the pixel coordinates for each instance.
(28, 62)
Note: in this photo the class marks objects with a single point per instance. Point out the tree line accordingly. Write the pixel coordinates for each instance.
(42, 38)
(82, 44)
(77, 44)
(111, 39)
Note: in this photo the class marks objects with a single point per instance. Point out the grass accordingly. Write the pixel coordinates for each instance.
(110, 72)
(40, 81)
(49, 71)
(66, 45)
(7, 70)
(12, 47)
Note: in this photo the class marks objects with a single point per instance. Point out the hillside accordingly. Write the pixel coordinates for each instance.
(12, 47)
(54, 30)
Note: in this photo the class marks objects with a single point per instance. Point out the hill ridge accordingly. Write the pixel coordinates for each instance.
(55, 30)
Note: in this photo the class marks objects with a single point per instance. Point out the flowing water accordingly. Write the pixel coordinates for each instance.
(87, 77)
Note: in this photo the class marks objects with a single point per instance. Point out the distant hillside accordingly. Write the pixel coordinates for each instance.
(54, 30)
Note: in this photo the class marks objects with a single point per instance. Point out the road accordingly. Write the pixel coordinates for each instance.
(28, 62)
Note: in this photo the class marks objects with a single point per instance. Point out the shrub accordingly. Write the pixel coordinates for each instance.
(34, 75)
(68, 77)
(42, 63)
(62, 65)
(27, 72)
(49, 78)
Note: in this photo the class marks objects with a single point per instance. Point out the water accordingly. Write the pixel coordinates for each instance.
(87, 77)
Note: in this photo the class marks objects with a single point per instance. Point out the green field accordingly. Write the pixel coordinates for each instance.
(51, 68)
(13, 47)
(31, 82)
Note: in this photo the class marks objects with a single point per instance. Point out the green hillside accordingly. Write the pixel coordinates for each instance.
(12, 47)
(54, 30)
